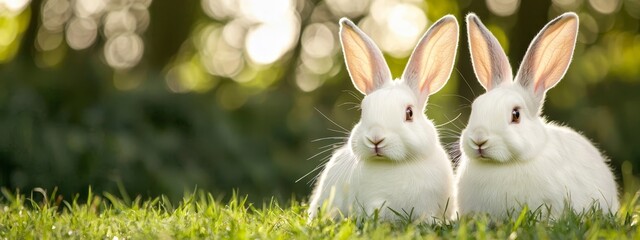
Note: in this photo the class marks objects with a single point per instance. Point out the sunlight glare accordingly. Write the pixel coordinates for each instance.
(89, 8)
(267, 42)
(14, 6)
(395, 27)
(220, 9)
(262, 44)
(265, 11)
(406, 21)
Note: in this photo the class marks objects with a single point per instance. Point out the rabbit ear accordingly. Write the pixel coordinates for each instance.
(365, 63)
(432, 60)
(490, 63)
(549, 55)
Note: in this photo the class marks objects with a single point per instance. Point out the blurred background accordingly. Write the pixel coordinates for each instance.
(163, 97)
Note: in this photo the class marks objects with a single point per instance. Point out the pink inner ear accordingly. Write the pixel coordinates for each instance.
(424, 88)
(539, 86)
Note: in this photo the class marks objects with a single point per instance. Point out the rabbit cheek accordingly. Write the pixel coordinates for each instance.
(527, 141)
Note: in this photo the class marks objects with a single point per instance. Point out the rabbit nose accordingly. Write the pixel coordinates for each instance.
(376, 144)
(376, 141)
(479, 137)
(479, 142)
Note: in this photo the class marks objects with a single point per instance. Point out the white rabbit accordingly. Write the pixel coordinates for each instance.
(393, 158)
(511, 155)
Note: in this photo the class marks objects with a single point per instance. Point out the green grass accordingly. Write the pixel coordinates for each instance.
(201, 216)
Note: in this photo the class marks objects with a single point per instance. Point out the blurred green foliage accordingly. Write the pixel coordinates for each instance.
(225, 97)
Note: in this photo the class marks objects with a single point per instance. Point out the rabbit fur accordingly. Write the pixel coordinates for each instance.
(392, 161)
(511, 155)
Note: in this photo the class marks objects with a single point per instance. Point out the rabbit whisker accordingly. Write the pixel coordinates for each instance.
(320, 166)
(329, 138)
(434, 105)
(348, 103)
(320, 153)
(338, 131)
(466, 82)
(332, 146)
(462, 106)
(354, 95)
(324, 161)
(450, 121)
(457, 95)
(334, 123)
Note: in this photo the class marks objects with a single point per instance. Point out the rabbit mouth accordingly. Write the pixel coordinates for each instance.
(377, 152)
(481, 154)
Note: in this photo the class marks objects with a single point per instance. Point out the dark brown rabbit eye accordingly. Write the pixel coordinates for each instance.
(408, 114)
(515, 115)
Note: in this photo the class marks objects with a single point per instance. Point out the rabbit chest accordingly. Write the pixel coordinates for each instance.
(500, 188)
(415, 188)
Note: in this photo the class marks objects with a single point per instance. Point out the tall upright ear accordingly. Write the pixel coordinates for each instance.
(432, 60)
(490, 63)
(365, 63)
(549, 55)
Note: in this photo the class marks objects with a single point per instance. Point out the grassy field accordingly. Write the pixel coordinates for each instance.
(201, 216)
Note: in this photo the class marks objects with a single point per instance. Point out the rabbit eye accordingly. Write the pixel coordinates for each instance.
(408, 114)
(515, 115)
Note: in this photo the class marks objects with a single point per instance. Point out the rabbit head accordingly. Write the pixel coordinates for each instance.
(505, 123)
(393, 125)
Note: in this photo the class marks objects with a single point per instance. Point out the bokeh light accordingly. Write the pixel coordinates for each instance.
(250, 41)
(13, 6)
(89, 8)
(352, 8)
(48, 41)
(220, 52)
(276, 31)
(55, 14)
(605, 6)
(122, 22)
(81, 33)
(118, 22)
(124, 50)
(220, 9)
(267, 42)
(318, 41)
(567, 4)
(395, 26)
(503, 8)
(14, 19)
